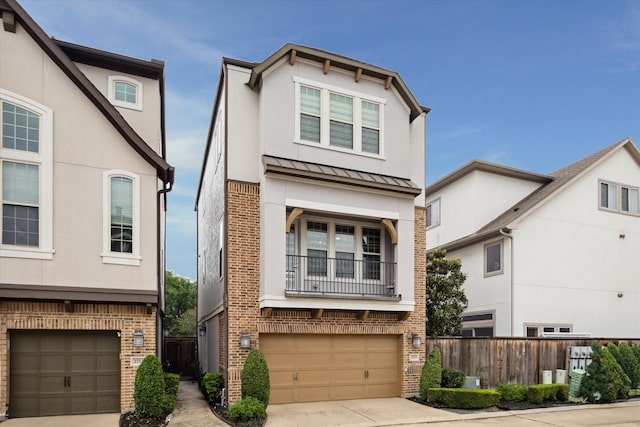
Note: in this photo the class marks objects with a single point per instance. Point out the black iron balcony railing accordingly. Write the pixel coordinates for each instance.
(341, 276)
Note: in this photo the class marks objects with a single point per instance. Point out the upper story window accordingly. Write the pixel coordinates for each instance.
(618, 197)
(25, 178)
(433, 213)
(338, 119)
(125, 92)
(493, 258)
(121, 234)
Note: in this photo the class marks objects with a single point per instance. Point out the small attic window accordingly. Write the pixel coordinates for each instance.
(125, 92)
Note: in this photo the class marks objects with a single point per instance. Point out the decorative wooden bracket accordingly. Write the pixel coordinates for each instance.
(403, 315)
(358, 74)
(387, 84)
(9, 21)
(388, 224)
(326, 66)
(317, 313)
(292, 59)
(266, 312)
(295, 213)
(363, 315)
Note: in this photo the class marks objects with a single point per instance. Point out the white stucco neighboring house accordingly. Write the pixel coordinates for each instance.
(544, 253)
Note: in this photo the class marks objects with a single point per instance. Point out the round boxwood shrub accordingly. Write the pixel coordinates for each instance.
(247, 409)
(513, 392)
(452, 378)
(148, 393)
(255, 378)
(211, 385)
(431, 376)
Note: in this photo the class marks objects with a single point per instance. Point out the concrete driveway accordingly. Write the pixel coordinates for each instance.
(97, 420)
(402, 412)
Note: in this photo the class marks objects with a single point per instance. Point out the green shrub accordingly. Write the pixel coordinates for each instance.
(171, 383)
(613, 349)
(605, 380)
(247, 409)
(452, 378)
(513, 392)
(539, 393)
(629, 364)
(211, 385)
(462, 398)
(636, 352)
(431, 376)
(168, 403)
(255, 378)
(148, 393)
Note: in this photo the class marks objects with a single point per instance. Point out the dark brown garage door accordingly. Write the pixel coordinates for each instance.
(64, 373)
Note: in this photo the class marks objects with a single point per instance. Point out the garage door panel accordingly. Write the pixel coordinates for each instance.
(61, 372)
(312, 394)
(331, 367)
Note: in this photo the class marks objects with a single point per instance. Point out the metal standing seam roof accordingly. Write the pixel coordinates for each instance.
(560, 178)
(335, 174)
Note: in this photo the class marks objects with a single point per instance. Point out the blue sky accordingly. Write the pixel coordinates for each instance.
(529, 84)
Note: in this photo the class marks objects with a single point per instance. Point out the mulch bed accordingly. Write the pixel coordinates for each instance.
(502, 406)
(221, 412)
(129, 419)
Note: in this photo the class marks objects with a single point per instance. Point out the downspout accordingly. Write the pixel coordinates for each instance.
(162, 195)
(507, 233)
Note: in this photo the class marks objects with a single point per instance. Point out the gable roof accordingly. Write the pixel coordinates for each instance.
(560, 180)
(298, 51)
(480, 165)
(55, 52)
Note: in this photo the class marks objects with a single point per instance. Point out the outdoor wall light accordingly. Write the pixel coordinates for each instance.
(138, 338)
(202, 330)
(416, 340)
(245, 340)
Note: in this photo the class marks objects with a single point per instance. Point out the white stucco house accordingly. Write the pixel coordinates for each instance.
(544, 253)
(311, 226)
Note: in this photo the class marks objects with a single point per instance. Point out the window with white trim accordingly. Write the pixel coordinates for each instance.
(533, 330)
(478, 324)
(433, 213)
(125, 92)
(493, 258)
(26, 186)
(338, 119)
(619, 198)
(121, 234)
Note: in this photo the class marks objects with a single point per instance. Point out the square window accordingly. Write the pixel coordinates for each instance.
(493, 258)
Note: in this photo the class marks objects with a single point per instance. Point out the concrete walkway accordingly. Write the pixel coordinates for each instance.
(192, 410)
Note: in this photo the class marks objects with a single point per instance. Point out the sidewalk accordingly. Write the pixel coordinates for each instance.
(192, 410)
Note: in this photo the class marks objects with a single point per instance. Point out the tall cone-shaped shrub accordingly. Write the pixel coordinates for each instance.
(255, 378)
(148, 392)
(431, 376)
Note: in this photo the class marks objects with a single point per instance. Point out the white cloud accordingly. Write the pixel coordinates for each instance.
(460, 132)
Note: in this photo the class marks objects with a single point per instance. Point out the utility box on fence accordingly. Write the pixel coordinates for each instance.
(576, 381)
(471, 382)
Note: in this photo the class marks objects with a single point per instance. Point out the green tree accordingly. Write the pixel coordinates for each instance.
(605, 380)
(180, 305)
(445, 297)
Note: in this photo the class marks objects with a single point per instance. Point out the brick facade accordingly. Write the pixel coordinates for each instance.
(34, 315)
(243, 291)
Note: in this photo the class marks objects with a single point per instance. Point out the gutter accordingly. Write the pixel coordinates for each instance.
(507, 233)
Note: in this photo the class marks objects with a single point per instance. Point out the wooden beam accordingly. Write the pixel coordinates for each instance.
(363, 315)
(295, 213)
(326, 66)
(388, 224)
(266, 312)
(9, 21)
(387, 84)
(317, 313)
(292, 58)
(358, 74)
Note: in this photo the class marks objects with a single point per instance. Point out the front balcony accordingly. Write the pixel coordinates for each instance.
(340, 277)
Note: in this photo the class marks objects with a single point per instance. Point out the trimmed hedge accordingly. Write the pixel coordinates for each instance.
(255, 378)
(462, 398)
(148, 393)
(431, 376)
(539, 393)
(247, 409)
(211, 385)
(171, 383)
(513, 392)
(452, 378)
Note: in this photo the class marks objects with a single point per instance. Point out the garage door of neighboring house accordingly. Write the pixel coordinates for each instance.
(308, 368)
(64, 373)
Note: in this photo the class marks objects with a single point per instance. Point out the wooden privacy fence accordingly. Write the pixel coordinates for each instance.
(506, 360)
(180, 353)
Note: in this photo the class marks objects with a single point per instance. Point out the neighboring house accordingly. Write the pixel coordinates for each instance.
(311, 224)
(82, 183)
(545, 254)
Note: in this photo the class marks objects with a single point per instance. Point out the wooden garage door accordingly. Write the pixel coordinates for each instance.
(64, 373)
(308, 368)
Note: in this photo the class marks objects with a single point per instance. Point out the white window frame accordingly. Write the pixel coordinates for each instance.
(484, 263)
(325, 91)
(111, 92)
(479, 324)
(430, 208)
(618, 192)
(109, 257)
(44, 159)
(300, 240)
(541, 328)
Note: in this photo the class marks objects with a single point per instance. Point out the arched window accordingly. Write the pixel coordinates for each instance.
(121, 234)
(125, 92)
